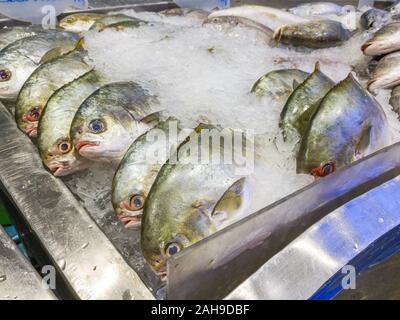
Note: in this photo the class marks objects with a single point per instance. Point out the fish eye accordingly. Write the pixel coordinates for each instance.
(172, 249)
(5, 75)
(325, 169)
(64, 147)
(34, 114)
(136, 202)
(97, 126)
(328, 168)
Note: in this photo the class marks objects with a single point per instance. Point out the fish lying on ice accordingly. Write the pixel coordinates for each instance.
(21, 58)
(181, 207)
(315, 34)
(320, 9)
(124, 25)
(54, 140)
(264, 33)
(303, 102)
(40, 86)
(384, 41)
(115, 20)
(79, 22)
(139, 168)
(269, 17)
(348, 125)
(185, 12)
(279, 84)
(346, 15)
(108, 122)
(386, 74)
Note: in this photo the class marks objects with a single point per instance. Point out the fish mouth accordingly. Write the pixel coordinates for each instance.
(59, 170)
(32, 132)
(163, 275)
(131, 222)
(365, 46)
(81, 145)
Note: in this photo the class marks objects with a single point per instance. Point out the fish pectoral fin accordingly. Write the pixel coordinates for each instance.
(51, 55)
(364, 140)
(80, 44)
(231, 201)
(220, 217)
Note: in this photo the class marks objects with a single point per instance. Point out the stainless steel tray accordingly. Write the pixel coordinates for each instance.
(18, 279)
(362, 233)
(96, 258)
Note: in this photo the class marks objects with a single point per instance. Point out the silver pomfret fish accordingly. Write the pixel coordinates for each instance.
(348, 125)
(54, 140)
(22, 57)
(111, 119)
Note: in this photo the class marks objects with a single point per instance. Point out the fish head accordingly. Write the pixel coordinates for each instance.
(166, 238)
(129, 194)
(60, 157)
(103, 132)
(78, 22)
(384, 41)
(12, 77)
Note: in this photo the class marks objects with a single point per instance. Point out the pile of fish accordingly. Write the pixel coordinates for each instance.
(76, 115)
(312, 25)
(317, 109)
(384, 47)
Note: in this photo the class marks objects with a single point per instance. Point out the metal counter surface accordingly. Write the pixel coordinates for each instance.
(302, 268)
(76, 246)
(18, 279)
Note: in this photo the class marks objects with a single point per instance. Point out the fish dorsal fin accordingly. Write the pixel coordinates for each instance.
(80, 44)
(51, 55)
(317, 66)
